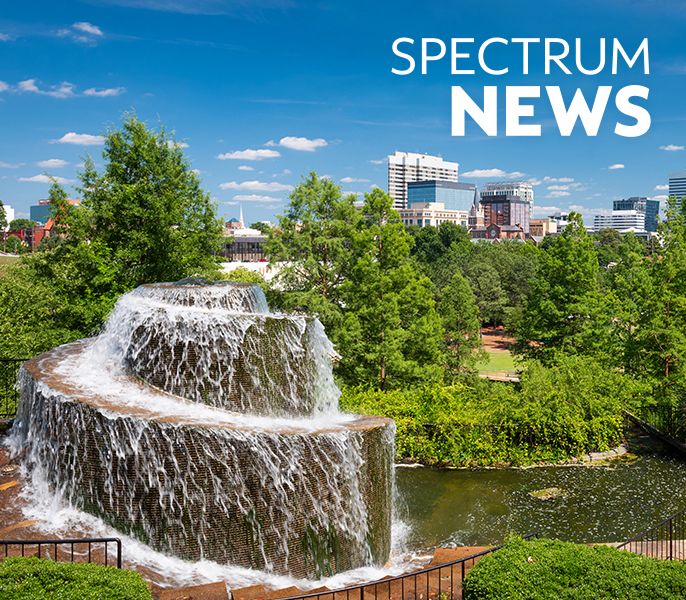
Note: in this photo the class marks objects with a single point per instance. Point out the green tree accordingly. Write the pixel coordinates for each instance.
(391, 334)
(567, 311)
(313, 244)
(147, 208)
(460, 316)
(3, 217)
(488, 290)
(19, 224)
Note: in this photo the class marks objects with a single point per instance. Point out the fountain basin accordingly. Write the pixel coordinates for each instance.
(300, 497)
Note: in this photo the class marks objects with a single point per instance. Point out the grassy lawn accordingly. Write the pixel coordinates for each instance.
(8, 260)
(498, 361)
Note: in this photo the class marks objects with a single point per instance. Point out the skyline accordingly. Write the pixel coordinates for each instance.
(262, 93)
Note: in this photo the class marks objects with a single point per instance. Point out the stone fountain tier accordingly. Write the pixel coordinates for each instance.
(296, 497)
(218, 345)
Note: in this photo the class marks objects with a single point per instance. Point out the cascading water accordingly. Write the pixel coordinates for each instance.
(208, 427)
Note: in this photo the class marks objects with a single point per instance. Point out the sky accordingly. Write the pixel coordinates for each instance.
(261, 92)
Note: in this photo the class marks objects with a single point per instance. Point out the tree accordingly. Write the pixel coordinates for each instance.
(3, 217)
(147, 208)
(460, 316)
(313, 243)
(59, 207)
(391, 335)
(488, 290)
(19, 224)
(261, 226)
(567, 311)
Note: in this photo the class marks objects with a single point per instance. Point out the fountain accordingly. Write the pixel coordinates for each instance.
(208, 427)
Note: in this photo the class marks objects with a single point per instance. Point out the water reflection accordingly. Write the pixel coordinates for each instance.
(481, 507)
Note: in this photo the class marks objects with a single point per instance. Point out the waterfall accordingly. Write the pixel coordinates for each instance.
(208, 427)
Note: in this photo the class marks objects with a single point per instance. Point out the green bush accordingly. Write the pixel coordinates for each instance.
(31, 578)
(554, 413)
(553, 570)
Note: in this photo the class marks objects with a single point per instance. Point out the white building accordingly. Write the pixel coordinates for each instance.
(9, 215)
(622, 221)
(523, 189)
(561, 220)
(433, 214)
(405, 167)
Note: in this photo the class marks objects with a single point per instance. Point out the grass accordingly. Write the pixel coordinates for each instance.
(499, 361)
(8, 260)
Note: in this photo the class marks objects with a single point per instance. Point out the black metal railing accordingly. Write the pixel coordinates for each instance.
(9, 396)
(666, 540)
(437, 582)
(89, 550)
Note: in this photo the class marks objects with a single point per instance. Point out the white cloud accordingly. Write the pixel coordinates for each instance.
(104, 92)
(6, 165)
(354, 180)
(558, 194)
(81, 139)
(256, 186)
(4, 37)
(63, 90)
(616, 166)
(82, 32)
(89, 28)
(558, 187)
(477, 173)
(3, 86)
(671, 148)
(246, 168)
(249, 154)
(378, 161)
(547, 179)
(660, 197)
(52, 163)
(174, 144)
(44, 179)
(255, 198)
(301, 144)
(662, 187)
(546, 209)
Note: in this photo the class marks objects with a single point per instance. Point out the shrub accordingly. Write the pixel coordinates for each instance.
(553, 570)
(556, 412)
(30, 578)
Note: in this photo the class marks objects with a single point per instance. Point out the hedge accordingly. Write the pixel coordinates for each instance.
(553, 570)
(553, 414)
(31, 578)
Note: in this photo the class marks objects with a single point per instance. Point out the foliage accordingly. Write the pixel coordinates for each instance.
(553, 570)
(19, 224)
(3, 217)
(353, 269)
(245, 275)
(148, 209)
(29, 578)
(391, 331)
(567, 410)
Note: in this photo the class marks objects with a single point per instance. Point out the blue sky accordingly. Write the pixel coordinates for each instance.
(308, 86)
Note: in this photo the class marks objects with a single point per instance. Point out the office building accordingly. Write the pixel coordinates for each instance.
(649, 208)
(407, 167)
(432, 214)
(506, 216)
(677, 185)
(561, 220)
(452, 194)
(40, 213)
(623, 221)
(522, 189)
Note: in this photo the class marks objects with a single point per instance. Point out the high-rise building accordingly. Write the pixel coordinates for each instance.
(432, 214)
(677, 185)
(505, 216)
(453, 195)
(406, 167)
(523, 189)
(649, 208)
(40, 213)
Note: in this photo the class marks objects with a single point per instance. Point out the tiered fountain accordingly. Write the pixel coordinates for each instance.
(208, 427)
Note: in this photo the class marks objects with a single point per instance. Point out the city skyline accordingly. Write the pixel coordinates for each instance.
(261, 93)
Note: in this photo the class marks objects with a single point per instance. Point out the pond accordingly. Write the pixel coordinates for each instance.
(480, 507)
